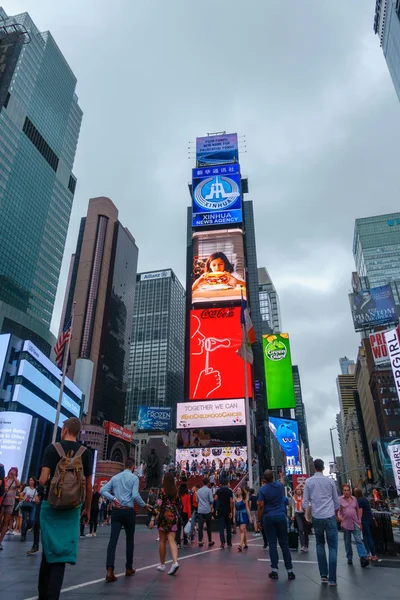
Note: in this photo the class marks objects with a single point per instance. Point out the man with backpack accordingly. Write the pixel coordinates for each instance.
(67, 474)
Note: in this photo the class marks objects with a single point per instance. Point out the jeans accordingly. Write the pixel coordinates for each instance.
(356, 533)
(51, 576)
(326, 527)
(28, 514)
(178, 535)
(369, 543)
(126, 518)
(207, 519)
(193, 521)
(225, 523)
(276, 530)
(302, 526)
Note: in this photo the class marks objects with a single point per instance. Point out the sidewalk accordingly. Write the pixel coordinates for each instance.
(204, 574)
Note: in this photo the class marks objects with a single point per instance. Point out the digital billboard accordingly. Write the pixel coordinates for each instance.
(373, 307)
(218, 268)
(216, 196)
(14, 435)
(212, 413)
(42, 408)
(278, 371)
(286, 433)
(154, 418)
(217, 149)
(216, 369)
(379, 348)
(224, 457)
(211, 437)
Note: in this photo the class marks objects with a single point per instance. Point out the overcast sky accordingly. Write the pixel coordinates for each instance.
(305, 82)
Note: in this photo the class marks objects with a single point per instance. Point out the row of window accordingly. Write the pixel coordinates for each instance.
(40, 143)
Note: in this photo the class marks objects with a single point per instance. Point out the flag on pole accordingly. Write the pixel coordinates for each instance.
(248, 334)
(62, 341)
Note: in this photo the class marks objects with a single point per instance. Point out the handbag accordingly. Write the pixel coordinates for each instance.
(188, 527)
(28, 504)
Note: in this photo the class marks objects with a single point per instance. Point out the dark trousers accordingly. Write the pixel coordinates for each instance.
(51, 576)
(225, 523)
(276, 530)
(178, 536)
(367, 532)
(27, 514)
(94, 515)
(36, 525)
(264, 535)
(121, 518)
(207, 520)
(302, 527)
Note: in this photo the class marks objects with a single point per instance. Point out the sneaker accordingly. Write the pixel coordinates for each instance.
(332, 584)
(265, 546)
(178, 546)
(349, 561)
(364, 562)
(33, 550)
(201, 544)
(173, 569)
(211, 544)
(1, 546)
(324, 580)
(161, 568)
(222, 546)
(273, 575)
(88, 535)
(93, 535)
(291, 575)
(229, 545)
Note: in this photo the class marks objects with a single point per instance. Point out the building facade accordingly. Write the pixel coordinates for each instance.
(387, 26)
(40, 119)
(344, 364)
(157, 351)
(300, 410)
(102, 285)
(269, 303)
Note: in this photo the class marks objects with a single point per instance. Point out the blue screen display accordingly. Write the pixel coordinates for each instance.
(286, 432)
(37, 405)
(154, 418)
(216, 196)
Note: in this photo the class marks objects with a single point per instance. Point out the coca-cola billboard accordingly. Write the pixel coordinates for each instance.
(118, 431)
(216, 370)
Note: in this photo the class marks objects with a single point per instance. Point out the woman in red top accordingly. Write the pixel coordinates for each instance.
(186, 515)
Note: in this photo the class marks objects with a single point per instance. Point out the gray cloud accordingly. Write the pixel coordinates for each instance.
(307, 85)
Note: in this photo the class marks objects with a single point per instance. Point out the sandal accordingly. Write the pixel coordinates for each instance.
(240, 548)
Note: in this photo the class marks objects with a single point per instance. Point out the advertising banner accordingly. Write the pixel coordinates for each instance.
(118, 431)
(373, 307)
(217, 149)
(394, 453)
(218, 268)
(393, 348)
(213, 413)
(211, 437)
(227, 457)
(216, 370)
(14, 435)
(299, 480)
(278, 371)
(216, 196)
(286, 433)
(154, 418)
(379, 348)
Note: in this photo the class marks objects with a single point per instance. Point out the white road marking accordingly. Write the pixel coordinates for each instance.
(297, 562)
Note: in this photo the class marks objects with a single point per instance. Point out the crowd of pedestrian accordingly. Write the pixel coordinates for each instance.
(178, 512)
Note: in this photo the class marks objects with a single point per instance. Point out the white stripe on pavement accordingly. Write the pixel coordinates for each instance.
(297, 562)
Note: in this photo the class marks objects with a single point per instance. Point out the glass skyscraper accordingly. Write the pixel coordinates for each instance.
(376, 250)
(300, 408)
(269, 303)
(157, 358)
(387, 26)
(40, 121)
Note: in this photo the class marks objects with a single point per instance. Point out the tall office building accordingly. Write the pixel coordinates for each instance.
(345, 364)
(300, 410)
(387, 26)
(157, 357)
(376, 250)
(269, 303)
(40, 119)
(102, 283)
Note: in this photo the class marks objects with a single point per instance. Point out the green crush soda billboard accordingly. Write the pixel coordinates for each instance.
(278, 371)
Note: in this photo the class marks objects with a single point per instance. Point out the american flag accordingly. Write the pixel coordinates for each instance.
(62, 341)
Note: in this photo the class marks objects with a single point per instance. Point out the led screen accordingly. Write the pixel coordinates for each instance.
(210, 413)
(154, 418)
(14, 434)
(217, 149)
(37, 405)
(225, 457)
(278, 371)
(373, 307)
(286, 433)
(210, 437)
(216, 370)
(216, 196)
(218, 272)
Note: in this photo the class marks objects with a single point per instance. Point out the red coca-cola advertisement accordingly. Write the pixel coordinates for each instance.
(118, 431)
(216, 370)
(100, 481)
(299, 480)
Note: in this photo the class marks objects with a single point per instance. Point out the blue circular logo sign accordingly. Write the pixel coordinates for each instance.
(216, 193)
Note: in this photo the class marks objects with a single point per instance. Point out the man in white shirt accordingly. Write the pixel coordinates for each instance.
(205, 500)
(320, 492)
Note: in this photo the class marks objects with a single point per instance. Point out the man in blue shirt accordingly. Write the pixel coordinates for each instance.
(122, 490)
(272, 517)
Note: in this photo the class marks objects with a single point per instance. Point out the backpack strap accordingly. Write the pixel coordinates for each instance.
(60, 449)
(80, 452)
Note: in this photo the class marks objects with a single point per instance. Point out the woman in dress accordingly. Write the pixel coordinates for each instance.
(350, 518)
(11, 486)
(168, 518)
(242, 517)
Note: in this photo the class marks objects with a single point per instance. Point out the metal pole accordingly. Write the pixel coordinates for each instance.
(247, 413)
(64, 372)
(333, 446)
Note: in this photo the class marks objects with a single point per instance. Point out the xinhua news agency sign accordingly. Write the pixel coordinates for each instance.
(393, 348)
